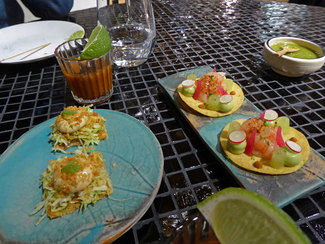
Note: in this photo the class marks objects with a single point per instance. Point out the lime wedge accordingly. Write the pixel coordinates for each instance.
(98, 44)
(77, 34)
(241, 216)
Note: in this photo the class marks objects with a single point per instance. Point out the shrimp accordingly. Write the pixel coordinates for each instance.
(214, 77)
(209, 85)
(265, 138)
(269, 152)
(71, 119)
(264, 147)
(71, 182)
(249, 125)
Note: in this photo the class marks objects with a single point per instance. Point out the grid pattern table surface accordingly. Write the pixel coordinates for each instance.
(226, 34)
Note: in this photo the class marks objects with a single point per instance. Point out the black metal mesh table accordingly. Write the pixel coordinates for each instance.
(226, 34)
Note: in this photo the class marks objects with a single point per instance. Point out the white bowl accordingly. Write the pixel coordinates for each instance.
(293, 67)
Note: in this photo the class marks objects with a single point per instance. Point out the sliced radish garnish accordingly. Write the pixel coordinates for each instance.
(279, 137)
(262, 115)
(293, 146)
(221, 90)
(237, 136)
(224, 99)
(188, 83)
(250, 144)
(197, 90)
(214, 69)
(270, 115)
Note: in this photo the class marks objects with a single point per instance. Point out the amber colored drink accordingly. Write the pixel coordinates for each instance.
(91, 80)
(93, 85)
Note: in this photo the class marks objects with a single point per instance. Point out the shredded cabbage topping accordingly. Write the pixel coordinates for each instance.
(90, 134)
(54, 201)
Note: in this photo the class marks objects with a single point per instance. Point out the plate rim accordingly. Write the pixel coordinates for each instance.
(102, 236)
(33, 23)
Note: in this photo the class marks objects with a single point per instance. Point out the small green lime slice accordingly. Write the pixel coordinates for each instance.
(241, 216)
(98, 44)
(77, 34)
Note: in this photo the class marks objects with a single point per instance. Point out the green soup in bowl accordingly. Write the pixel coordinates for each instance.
(308, 59)
(303, 52)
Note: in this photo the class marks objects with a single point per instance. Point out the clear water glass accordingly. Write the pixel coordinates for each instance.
(131, 25)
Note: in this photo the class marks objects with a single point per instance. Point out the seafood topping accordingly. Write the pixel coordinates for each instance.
(249, 125)
(209, 86)
(72, 174)
(263, 142)
(70, 120)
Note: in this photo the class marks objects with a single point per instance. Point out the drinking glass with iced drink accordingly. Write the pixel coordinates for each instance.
(131, 25)
(87, 67)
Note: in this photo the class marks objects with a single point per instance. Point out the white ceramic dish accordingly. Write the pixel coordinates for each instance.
(293, 67)
(17, 39)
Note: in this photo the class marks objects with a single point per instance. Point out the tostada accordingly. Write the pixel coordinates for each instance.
(266, 145)
(212, 95)
(77, 126)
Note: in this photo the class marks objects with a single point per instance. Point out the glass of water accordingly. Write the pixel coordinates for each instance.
(131, 24)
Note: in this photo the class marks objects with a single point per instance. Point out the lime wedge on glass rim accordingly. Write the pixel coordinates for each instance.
(241, 216)
(98, 43)
(76, 35)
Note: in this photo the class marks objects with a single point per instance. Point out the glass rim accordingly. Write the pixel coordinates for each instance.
(56, 53)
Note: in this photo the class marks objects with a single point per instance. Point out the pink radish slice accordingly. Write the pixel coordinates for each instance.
(214, 69)
(237, 136)
(262, 115)
(224, 99)
(188, 83)
(250, 144)
(270, 115)
(293, 146)
(221, 90)
(279, 137)
(197, 90)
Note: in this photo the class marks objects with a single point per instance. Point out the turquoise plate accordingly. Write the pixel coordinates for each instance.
(280, 189)
(134, 161)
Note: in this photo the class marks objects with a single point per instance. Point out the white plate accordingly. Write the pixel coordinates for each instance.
(23, 37)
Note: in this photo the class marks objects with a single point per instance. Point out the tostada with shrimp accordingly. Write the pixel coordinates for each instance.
(266, 145)
(71, 183)
(77, 179)
(77, 126)
(212, 95)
